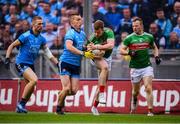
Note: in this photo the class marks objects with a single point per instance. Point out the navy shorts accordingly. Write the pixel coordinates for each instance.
(69, 69)
(22, 67)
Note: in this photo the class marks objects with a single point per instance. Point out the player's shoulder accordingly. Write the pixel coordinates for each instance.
(92, 36)
(42, 37)
(70, 32)
(107, 30)
(82, 32)
(148, 34)
(130, 36)
(26, 34)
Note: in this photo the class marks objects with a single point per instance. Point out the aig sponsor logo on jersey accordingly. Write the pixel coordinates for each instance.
(80, 45)
(34, 49)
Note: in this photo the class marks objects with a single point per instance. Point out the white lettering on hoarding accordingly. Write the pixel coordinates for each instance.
(109, 96)
(172, 98)
(77, 98)
(171, 102)
(42, 100)
(115, 98)
(52, 101)
(88, 98)
(36, 99)
(6, 93)
(161, 96)
(122, 100)
(69, 101)
(143, 94)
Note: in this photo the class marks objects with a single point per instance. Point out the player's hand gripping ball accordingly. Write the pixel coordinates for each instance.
(98, 53)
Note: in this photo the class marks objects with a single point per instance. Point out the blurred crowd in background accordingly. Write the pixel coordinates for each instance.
(161, 18)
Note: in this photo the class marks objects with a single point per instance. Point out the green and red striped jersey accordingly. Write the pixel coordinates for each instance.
(141, 44)
(107, 34)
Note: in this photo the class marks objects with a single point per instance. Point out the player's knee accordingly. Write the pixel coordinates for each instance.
(67, 90)
(34, 81)
(104, 69)
(135, 92)
(148, 89)
(74, 91)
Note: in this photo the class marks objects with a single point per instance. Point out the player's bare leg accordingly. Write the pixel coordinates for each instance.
(74, 86)
(103, 67)
(135, 93)
(65, 80)
(149, 95)
(94, 109)
(29, 88)
(30, 79)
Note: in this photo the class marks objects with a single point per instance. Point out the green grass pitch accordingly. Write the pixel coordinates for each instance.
(43, 117)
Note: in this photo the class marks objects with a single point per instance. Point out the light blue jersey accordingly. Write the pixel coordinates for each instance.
(78, 39)
(29, 48)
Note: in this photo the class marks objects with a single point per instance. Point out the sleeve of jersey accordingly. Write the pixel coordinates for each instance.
(22, 38)
(110, 34)
(69, 36)
(126, 41)
(44, 41)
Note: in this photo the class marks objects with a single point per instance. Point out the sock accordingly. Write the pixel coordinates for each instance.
(59, 108)
(96, 103)
(23, 102)
(135, 99)
(101, 89)
(150, 110)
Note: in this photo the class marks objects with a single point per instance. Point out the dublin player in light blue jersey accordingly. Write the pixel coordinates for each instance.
(70, 60)
(29, 44)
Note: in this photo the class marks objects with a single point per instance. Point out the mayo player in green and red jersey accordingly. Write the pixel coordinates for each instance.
(103, 40)
(139, 43)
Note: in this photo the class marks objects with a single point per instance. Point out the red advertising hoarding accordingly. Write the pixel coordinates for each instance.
(166, 96)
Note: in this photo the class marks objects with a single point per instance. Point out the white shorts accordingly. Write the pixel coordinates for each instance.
(138, 74)
(108, 60)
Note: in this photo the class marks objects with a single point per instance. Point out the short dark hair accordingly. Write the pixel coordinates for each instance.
(36, 18)
(137, 19)
(159, 9)
(72, 16)
(98, 24)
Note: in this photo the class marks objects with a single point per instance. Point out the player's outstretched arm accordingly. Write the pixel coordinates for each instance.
(49, 54)
(11, 47)
(107, 46)
(70, 47)
(9, 51)
(156, 54)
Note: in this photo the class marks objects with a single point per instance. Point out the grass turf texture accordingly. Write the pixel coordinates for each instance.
(40, 117)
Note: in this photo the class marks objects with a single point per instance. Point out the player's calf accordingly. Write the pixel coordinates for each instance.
(133, 105)
(101, 97)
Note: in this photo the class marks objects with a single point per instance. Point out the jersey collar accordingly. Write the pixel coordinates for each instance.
(31, 31)
(139, 34)
(76, 30)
